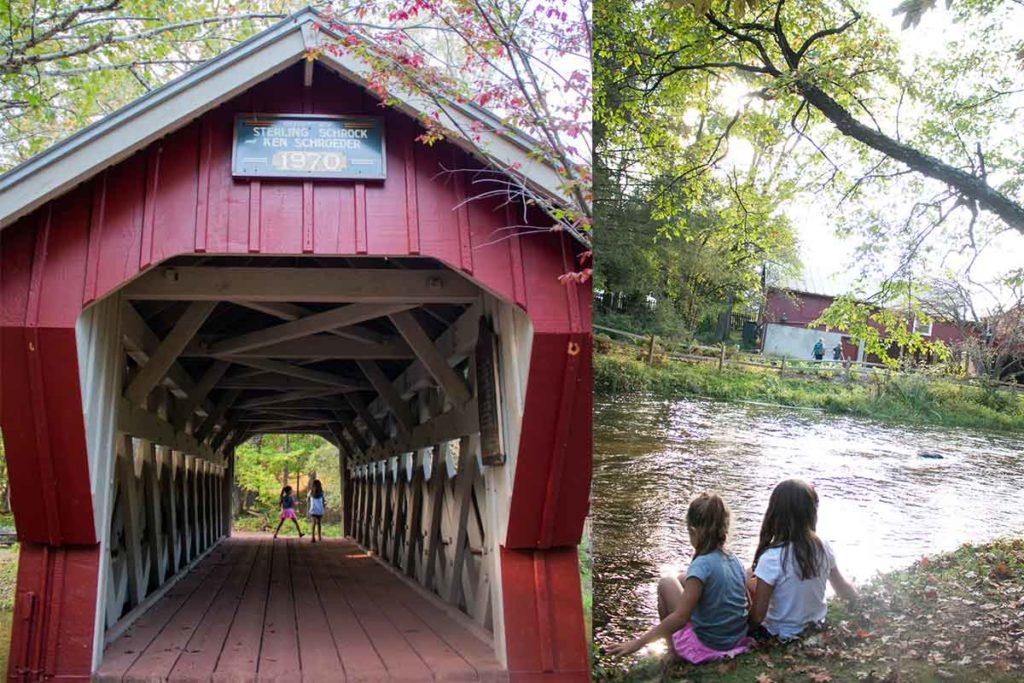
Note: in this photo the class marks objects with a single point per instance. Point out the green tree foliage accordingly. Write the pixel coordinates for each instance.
(690, 178)
(835, 76)
(888, 332)
(65, 64)
(918, 158)
(260, 464)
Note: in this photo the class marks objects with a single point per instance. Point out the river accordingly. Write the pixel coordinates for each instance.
(882, 506)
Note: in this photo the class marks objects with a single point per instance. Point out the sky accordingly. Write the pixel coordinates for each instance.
(828, 258)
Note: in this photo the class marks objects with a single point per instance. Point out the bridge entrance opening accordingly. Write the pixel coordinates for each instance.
(385, 360)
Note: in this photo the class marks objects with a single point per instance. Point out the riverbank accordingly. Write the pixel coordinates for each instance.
(952, 617)
(904, 399)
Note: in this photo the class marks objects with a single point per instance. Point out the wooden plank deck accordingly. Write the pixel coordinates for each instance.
(258, 609)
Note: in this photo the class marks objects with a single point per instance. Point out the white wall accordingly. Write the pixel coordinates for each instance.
(515, 339)
(797, 342)
(100, 358)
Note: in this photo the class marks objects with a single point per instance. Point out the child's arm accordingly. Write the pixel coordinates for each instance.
(759, 604)
(669, 625)
(842, 587)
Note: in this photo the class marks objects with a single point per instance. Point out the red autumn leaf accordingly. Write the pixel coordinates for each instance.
(1001, 571)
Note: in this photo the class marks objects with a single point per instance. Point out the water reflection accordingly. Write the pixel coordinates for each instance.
(882, 506)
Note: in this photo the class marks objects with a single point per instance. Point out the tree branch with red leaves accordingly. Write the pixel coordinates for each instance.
(526, 62)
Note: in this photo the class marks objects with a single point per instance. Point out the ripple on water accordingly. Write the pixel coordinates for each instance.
(882, 506)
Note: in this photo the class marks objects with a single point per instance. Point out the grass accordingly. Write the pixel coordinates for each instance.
(8, 576)
(952, 617)
(904, 399)
(587, 586)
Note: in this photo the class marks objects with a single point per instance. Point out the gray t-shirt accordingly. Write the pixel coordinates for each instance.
(720, 619)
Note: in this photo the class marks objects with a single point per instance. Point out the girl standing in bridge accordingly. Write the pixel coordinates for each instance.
(316, 509)
(287, 502)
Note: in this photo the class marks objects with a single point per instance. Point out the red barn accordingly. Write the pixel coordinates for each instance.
(786, 327)
(167, 292)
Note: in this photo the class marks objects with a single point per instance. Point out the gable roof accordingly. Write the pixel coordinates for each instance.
(169, 107)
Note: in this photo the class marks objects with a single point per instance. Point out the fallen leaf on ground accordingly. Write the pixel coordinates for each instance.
(725, 667)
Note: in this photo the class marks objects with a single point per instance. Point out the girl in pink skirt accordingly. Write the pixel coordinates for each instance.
(287, 503)
(704, 616)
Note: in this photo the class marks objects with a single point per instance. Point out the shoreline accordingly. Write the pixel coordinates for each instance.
(952, 616)
(903, 400)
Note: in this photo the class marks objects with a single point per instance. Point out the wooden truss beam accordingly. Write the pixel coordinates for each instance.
(289, 397)
(314, 285)
(207, 382)
(276, 419)
(302, 403)
(270, 382)
(223, 435)
(143, 424)
(227, 399)
(167, 353)
(288, 311)
(353, 432)
(319, 347)
(453, 424)
(431, 358)
(455, 344)
(335, 318)
(368, 419)
(141, 343)
(272, 429)
(299, 413)
(388, 393)
(319, 376)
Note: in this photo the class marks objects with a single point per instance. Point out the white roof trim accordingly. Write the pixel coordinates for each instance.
(165, 109)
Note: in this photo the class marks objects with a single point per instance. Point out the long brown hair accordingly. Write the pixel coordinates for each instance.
(791, 518)
(317, 490)
(708, 517)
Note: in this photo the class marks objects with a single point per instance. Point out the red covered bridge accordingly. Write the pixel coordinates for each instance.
(158, 307)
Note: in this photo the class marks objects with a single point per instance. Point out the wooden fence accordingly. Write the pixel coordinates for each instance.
(849, 370)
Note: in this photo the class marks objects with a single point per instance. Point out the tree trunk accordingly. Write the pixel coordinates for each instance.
(725, 318)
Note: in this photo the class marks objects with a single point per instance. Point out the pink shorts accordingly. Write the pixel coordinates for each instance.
(689, 647)
(288, 513)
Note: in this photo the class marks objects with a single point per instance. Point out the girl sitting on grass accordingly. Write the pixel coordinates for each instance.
(705, 617)
(792, 565)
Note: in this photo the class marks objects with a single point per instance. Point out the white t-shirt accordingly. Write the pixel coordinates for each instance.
(795, 602)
